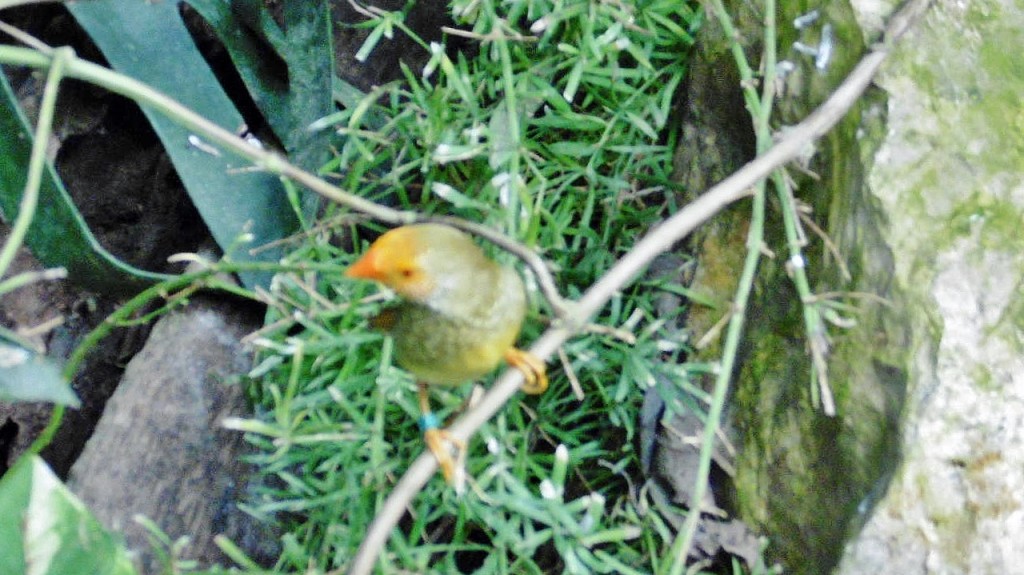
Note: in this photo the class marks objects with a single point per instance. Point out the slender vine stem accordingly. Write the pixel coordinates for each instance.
(755, 236)
(112, 322)
(760, 109)
(37, 158)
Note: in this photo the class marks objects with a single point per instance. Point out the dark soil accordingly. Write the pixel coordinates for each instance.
(114, 167)
(122, 182)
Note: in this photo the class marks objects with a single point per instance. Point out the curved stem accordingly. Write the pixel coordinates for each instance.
(98, 333)
(122, 317)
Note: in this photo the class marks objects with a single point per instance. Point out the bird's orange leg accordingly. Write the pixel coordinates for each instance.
(439, 441)
(533, 370)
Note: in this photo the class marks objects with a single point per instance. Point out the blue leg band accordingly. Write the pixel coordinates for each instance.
(429, 421)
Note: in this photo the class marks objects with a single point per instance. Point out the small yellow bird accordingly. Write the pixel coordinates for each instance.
(460, 315)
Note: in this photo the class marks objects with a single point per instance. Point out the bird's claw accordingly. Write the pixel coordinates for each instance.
(442, 444)
(534, 372)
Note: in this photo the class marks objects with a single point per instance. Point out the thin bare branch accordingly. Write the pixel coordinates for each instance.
(829, 244)
(491, 37)
(25, 38)
(658, 240)
(574, 382)
(274, 163)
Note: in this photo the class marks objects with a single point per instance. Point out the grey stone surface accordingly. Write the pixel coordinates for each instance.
(948, 174)
(159, 449)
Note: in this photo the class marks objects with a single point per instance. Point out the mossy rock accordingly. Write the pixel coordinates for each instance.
(804, 478)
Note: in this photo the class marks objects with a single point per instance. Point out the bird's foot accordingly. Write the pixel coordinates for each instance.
(533, 370)
(443, 445)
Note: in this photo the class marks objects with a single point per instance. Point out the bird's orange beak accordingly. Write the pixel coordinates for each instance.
(366, 267)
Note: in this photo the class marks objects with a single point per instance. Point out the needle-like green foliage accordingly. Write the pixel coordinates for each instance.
(552, 124)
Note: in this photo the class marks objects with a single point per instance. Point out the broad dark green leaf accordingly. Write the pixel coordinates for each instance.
(46, 530)
(149, 41)
(59, 236)
(288, 72)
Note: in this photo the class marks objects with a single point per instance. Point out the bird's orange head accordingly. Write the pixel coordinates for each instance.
(393, 260)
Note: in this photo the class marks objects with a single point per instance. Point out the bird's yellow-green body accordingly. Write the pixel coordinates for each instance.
(440, 349)
(459, 318)
(461, 311)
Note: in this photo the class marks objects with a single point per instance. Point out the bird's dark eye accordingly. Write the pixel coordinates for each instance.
(406, 272)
